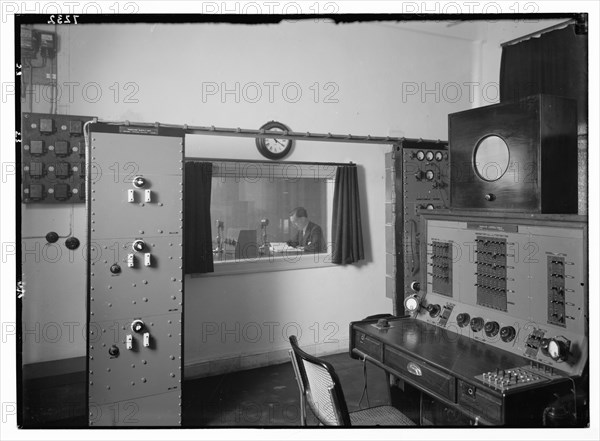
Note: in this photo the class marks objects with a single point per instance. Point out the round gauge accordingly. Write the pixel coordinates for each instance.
(274, 148)
(411, 303)
(557, 350)
(430, 207)
(429, 155)
(420, 155)
(429, 175)
(438, 156)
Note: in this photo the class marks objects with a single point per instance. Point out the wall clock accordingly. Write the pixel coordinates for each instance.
(274, 148)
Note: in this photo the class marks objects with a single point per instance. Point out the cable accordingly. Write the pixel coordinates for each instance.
(365, 392)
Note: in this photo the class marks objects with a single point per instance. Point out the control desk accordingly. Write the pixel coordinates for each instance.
(497, 333)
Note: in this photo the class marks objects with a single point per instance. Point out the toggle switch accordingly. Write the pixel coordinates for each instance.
(147, 259)
(130, 195)
(129, 342)
(139, 245)
(130, 260)
(146, 339)
(147, 195)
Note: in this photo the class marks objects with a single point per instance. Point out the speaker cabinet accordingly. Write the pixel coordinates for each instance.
(518, 156)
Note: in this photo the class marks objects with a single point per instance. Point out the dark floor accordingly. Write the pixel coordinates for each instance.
(263, 397)
(269, 396)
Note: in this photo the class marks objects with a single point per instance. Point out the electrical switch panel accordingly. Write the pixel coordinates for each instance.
(136, 276)
(53, 147)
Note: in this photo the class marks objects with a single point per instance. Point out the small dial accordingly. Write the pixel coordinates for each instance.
(411, 303)
(491, 329)
(557, 350)
(507, 334)
(463, 319)
(420, 155)
(476, 324)
(438, 156)
(429, 155)
(434, 310)
(429, 175)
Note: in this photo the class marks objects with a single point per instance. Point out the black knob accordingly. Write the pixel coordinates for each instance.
(72, 243)
(115, 268)
(463, 319)
(434, 310)
(415, 286)
(490, 197)
(139, 245)
(113, 351)
(419, 175)
(476, 324)
(51, 237)
(491, 328)
(507, 334)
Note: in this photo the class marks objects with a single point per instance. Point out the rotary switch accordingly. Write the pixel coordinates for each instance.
(139, 182)
(491, 329)
(137, 326)
(507, 334)
(139, 245)
(463, 319)
(434, 310)
(476, 324)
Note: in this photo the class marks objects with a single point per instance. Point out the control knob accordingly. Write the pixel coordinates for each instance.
(139, 245)
(137, 325)
(139, 182)
(491, 328)
(476, 324)
(463, 319)
(507, 334)
(434, 310)
(113, 351)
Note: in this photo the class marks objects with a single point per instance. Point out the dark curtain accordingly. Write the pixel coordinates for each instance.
(555, 63)
(347, 228)
(198, 256)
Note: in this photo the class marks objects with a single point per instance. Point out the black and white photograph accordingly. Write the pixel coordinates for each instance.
(267, 220)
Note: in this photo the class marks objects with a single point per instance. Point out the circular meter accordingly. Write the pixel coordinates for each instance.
(438, 156)
(557, 350)
(420, 155)
(411, 303)
(429, 175)
(429, 155)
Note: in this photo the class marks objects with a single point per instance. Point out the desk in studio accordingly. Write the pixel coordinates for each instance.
(443, 366)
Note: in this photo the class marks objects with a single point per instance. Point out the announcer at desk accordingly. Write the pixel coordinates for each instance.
(309, 236)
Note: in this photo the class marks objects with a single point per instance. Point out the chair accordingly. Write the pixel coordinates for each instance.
(320, 388)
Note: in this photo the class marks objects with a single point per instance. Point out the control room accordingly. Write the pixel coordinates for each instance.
(285, 222)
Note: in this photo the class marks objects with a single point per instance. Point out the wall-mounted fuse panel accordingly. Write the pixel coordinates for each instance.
(53, 158)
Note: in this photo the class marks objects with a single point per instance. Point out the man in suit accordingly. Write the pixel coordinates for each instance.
(309, 235)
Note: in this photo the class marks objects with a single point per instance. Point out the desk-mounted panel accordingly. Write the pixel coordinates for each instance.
(518, 283)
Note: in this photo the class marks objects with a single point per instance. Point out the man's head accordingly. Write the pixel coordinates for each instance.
(299, 217)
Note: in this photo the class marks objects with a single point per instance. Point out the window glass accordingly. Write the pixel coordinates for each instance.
(251, 204)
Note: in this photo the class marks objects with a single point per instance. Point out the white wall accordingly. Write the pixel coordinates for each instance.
(386, 81)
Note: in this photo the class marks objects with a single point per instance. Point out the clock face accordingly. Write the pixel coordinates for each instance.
(274, 148)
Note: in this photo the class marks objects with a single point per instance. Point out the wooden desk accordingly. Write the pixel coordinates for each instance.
(447, 369)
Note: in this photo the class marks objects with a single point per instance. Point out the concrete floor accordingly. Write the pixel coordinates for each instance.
(268, 396)
(262, 397)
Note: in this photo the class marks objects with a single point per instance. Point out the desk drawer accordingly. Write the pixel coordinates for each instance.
(368, 345)
(419, 373)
